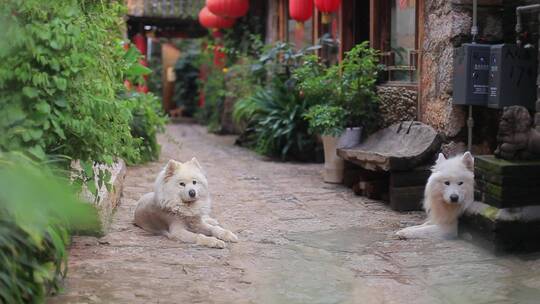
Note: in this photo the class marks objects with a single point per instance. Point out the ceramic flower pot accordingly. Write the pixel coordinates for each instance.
(333, 164)
(350, 138)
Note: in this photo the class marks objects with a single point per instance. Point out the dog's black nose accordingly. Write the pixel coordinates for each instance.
(192, 193)
(454, 198)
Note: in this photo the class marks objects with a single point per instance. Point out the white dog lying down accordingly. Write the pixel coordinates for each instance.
(180, 205)
(449, 191)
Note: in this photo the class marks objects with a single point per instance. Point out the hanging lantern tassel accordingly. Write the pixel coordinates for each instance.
(326, 17)
(299, 33)
(327, 7)
(216, 33)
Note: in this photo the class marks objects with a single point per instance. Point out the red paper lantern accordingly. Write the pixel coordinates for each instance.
(211, 21)
(228, 8)
(301, 10)
(327, 7)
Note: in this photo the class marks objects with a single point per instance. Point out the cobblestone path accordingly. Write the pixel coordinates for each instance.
(301, 241)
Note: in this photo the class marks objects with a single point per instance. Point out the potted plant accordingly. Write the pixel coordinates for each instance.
(345, 103)
(329, 122)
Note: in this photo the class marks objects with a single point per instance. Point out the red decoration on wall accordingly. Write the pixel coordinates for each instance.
(228, 8)
(214, 22)
(327, 7)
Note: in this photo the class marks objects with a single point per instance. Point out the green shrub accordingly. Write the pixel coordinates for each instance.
(349, 85)
(186, 90)
(326, 120)
(274, 112)
(214, 96)
(37, 212)
(311, 80)
(276, 123)
(147, 120)
(61, 80)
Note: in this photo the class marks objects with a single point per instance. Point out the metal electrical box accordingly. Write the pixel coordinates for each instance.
(471, 74)
(512, 76)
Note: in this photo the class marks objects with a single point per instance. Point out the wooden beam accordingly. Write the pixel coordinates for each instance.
(373, 24)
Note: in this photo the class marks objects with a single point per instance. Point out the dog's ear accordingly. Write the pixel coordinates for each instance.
(196, 163)
(440, 158)
(468, 160)
(170, 168)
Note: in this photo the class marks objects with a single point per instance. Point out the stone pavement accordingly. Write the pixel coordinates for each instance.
(301, 241)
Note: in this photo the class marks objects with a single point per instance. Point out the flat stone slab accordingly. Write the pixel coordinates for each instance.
(400, 147)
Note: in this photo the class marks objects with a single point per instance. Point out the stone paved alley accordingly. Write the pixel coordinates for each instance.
(301, 241)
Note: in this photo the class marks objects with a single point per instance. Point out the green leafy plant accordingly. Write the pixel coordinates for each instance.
(274, 112)
(186, 89)
(61, 80)
(214, 92)
(359, 70)
(326, 120)
(38, 211)
(61, 84)
(147, 120)
(276, 126)
(349, 85)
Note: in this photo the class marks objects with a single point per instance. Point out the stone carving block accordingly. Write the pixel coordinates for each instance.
(518, 138)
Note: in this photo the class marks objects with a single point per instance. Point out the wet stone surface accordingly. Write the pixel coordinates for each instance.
(301, 241)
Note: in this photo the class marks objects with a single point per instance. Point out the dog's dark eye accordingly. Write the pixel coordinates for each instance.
(460, 183)
(447, 183)
(194, 182)
(182, 184)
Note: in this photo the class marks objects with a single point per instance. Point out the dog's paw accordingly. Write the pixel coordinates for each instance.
(211, 242)
(211, 221)
(229, 236)
(175, 209)
(404, 234)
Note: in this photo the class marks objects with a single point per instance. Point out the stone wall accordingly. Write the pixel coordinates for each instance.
(397, 104)
(447, 24)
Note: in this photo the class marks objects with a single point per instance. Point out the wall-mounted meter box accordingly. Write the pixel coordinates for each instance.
(512, 76)
(471, 74)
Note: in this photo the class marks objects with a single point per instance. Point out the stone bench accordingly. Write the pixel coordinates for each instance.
(393, 164)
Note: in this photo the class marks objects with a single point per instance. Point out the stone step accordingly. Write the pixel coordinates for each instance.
(525, 194)
(508, 203)
(500, 236)
(494, 166)
(480, 174)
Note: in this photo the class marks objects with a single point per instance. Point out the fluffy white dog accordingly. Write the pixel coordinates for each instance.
(449, 191)
(180, 205)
